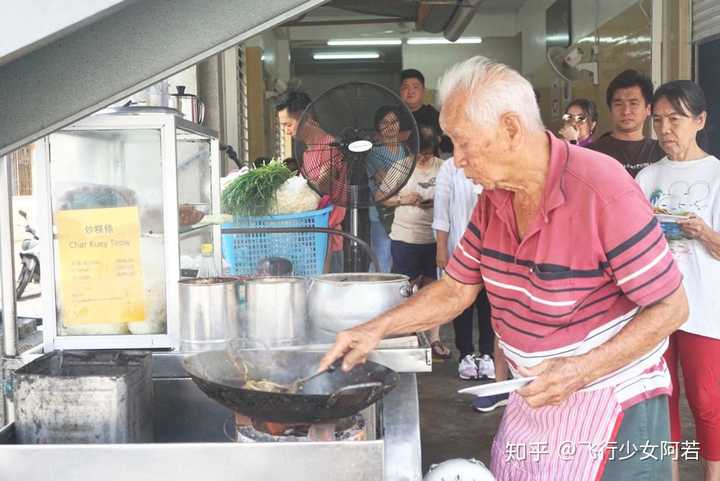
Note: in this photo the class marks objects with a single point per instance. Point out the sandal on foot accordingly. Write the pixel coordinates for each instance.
(439, 351)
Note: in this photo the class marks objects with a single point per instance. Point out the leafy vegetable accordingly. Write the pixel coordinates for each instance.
(253, 194)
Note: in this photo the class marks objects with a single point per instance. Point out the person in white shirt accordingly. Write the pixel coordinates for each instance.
(455, 198)
(684, 189)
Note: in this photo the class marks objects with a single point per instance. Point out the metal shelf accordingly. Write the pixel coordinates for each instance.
(181, 231)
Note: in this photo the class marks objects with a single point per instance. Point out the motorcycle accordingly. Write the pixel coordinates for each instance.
(30, 258)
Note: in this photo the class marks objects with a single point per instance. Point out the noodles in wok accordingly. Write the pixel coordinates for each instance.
(267, 386)
(264, 385)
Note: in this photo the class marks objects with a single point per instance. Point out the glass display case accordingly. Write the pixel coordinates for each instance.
(128, 192)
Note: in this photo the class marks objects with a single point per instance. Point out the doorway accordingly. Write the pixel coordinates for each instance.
(708, 71)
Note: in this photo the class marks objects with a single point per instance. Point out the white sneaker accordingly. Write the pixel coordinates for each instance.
(468, 368)
(486, 367)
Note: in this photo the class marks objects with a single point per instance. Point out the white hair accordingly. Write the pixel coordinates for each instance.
(493, 89)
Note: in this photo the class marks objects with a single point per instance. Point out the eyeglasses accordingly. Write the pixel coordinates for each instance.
(575, 117)
(385, 123)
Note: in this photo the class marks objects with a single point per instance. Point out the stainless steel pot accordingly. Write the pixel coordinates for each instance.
(276, 310)
(340, 301)
(192, 108)
(209, 312)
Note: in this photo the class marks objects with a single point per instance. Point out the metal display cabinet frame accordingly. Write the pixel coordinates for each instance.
(169, 126)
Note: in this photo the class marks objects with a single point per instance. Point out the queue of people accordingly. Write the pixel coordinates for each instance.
(599, 285)
(682, 183)
(603, 329)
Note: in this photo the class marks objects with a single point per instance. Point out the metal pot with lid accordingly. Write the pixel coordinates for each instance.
(192, 108)
(340, 301)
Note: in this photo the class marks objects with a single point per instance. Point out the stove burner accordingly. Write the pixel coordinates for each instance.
(252, 431)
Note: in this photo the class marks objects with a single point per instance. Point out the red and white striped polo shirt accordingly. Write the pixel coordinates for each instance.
(592, 258)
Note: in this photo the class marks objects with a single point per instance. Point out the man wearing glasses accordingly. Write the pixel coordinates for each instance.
(629, 97)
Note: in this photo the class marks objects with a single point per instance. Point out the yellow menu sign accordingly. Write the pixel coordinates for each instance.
(101, 279)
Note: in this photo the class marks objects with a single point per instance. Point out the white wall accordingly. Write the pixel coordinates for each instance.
(187, 77)
(531, 24)
(269, 44)
(316, 84)
(433, 60)
(584, 11)
(493, 25)
(276, 51)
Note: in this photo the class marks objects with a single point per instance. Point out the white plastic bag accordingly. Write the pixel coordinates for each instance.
(295, 195)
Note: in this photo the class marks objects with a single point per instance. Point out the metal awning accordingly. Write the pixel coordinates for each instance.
(108, 56)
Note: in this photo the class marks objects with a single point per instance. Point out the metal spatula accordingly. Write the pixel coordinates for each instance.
(300, 383)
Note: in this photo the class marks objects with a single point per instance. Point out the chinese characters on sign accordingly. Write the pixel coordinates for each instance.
(98, 229)
(101, 277)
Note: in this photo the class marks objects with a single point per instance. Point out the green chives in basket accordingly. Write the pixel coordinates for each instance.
(253, 194)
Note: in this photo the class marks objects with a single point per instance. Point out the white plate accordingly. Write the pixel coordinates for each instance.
(670, 218)
(493, 388)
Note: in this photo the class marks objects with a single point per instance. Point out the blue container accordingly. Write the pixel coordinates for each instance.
(672, 230)
(306, 250)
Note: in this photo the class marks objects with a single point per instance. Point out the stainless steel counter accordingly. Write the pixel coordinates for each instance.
(190, 444)
(194, 461)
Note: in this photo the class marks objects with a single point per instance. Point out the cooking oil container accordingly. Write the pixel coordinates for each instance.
(209, 312)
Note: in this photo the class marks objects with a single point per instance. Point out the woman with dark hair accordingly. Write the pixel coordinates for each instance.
(579, 122)
(684, 189)
(413, 244)
(388, 149)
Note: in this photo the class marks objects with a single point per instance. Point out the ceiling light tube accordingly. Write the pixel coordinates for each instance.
(360, 42)
(442, 41)
(346, 56)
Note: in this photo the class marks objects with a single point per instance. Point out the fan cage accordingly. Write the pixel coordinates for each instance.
(347, 113)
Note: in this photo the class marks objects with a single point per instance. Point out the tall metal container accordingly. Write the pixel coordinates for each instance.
(68, 397)
(276, 310)
(209, 312)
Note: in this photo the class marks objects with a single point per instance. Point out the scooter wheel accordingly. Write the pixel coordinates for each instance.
(25, 276)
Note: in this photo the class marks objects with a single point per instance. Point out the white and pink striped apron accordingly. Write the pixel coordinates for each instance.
(568, 442)
(556, 443)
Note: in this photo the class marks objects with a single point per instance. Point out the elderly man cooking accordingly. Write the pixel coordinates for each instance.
(583, 288)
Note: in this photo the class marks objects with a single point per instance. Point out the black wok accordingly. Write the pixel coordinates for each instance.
(334, 395)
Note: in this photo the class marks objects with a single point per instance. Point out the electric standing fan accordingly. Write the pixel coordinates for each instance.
(357, 143)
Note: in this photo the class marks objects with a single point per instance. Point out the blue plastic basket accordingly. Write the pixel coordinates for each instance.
(305, 250)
